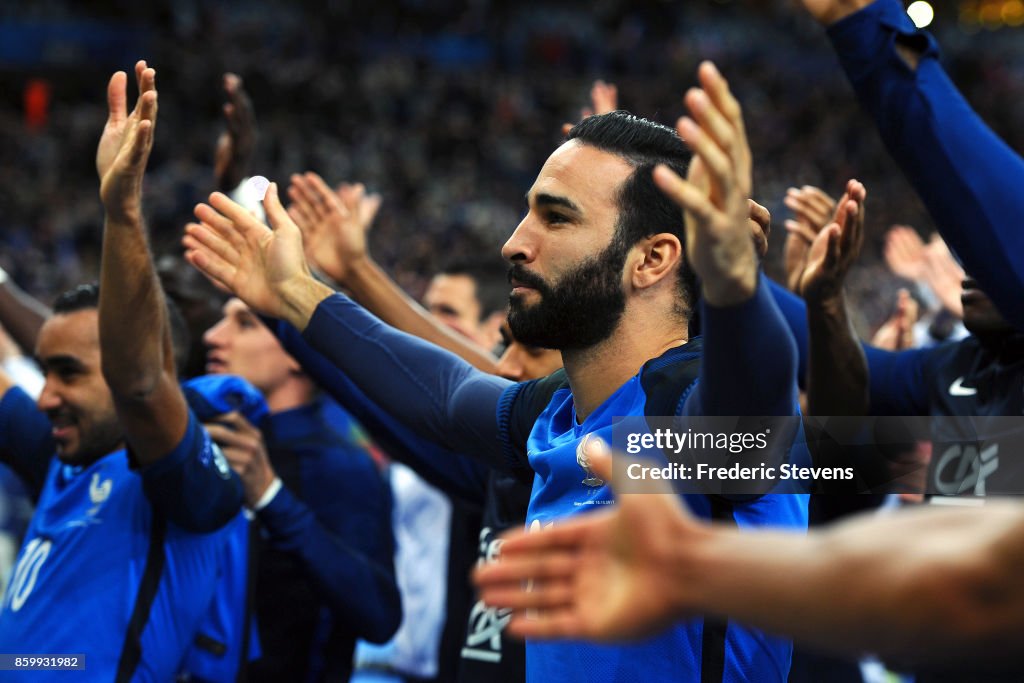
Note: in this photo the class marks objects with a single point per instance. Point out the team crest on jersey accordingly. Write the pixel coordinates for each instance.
(213, 455)
(99, 491)
(590, 478)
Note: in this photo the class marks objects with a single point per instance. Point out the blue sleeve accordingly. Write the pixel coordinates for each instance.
(969, 179)
(898, 380)
(26, 439)
(749, 364)
(455, 474)
(794, 312)
(347, 545)
(193, 485)
(442, 398)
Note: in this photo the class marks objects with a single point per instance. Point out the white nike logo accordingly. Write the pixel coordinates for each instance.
(957, 388)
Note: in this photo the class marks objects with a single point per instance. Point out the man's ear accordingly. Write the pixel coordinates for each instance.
(659, 257)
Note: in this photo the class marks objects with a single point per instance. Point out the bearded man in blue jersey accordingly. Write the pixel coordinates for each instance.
(121, 558)
(603, 270)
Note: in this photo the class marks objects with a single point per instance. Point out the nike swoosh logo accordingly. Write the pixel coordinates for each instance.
(957, 388)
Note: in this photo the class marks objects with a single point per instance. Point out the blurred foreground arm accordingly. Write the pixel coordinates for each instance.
(937, 588)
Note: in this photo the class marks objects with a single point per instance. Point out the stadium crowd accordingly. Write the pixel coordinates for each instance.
(281, 424)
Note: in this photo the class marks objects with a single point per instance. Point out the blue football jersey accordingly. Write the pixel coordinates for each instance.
(78, 573)
(698, 650)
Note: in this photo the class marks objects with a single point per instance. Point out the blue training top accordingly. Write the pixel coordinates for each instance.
(78, 573)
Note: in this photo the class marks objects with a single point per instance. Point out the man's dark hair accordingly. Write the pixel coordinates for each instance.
(80, 298)
(490, 279)
(87, 296)
(643, 209)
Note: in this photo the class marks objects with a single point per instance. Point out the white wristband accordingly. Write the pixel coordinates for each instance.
(3, 276)
(268, 495)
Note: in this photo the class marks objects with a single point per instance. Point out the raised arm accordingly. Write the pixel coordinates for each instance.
(968, 178)
(837, 373)
(457, 475)
(443, 398)
(135, 340)
(236, 145)
(334, 226)
(737, 305)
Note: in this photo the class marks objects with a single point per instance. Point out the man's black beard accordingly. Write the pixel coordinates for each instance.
(582, 309)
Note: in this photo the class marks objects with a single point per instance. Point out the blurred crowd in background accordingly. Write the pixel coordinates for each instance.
(445, 108)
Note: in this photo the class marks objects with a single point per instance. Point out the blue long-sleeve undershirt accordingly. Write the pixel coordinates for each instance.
(447, 401)
(750, 360)
(440, 397)
(456, 474)
(351, 561)
(969, 179)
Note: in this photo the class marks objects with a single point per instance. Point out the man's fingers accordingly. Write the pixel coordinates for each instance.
(148, 107)
(683, 193)
(325, 197)
(762, 217)
(604, 97)
(832, 249)
(300, 219)
(216, 269)
(719, 165)
(816, 198)
(141, 143)
(849, 237)
(243, 432)
(711, 121)
(538, 595)
(147, 80)
(539, 565)
(276, 215)
(800, 230)
(805, 210)
(223, 434)
(244, 222)
(117, 98)
(222, 226)
(185, 241)
(717, 89)
(306, 195)
(209, 239)
(547, 624)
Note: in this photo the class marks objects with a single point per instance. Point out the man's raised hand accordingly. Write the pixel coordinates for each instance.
(715, 194)
(604, 98)
(124, 147)
(812, 211)
(333, 223)
(236, 145)
(265, 267)
(835, 248)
